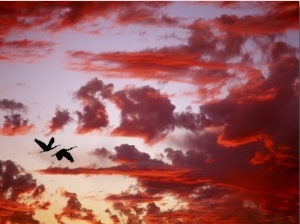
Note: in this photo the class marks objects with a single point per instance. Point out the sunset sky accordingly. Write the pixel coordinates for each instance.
(182, 112)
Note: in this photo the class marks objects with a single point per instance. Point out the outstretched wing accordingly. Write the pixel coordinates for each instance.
(41, 144)
(68, 157)
(51, 142)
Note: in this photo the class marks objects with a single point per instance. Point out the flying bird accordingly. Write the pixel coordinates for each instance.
(44, 146)
(64, 153)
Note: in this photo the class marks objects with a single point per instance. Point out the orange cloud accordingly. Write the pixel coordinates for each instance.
(230, 179)
(15, 125)
(19, 194)
(74, 210)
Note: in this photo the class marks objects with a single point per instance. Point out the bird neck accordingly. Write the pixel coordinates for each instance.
(55, 146)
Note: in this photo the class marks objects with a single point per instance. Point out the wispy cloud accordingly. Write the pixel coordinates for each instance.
(25, 50)
(64, 15)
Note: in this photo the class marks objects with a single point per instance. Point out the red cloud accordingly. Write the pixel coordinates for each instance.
(61, 118)
(146, 16)
(74, 211)
(250, 163)
(25, 50)
(163, 64)
(137, 198)
(278, 18)
(145, 112)
(17, 190)
(202, 185)
(15, 125)
(216, 53)
(94, 115)
(26, 15)
(251, 111)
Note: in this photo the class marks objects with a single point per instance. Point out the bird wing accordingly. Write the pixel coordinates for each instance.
(51, 142)
(68, 156)
(41, 144)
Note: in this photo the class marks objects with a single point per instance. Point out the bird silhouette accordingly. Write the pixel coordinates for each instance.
(64, 153)
(45, 147)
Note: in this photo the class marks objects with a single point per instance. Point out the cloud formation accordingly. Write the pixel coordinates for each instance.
(280, 16)
(61, 118)
(25, 50)
(207, 178)
(19, 193)
(237, 159)
(11, 105)
(74, 210)
(64, 15)
(94, 115)
(145, 112)
(217, 53)
(15, 125)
